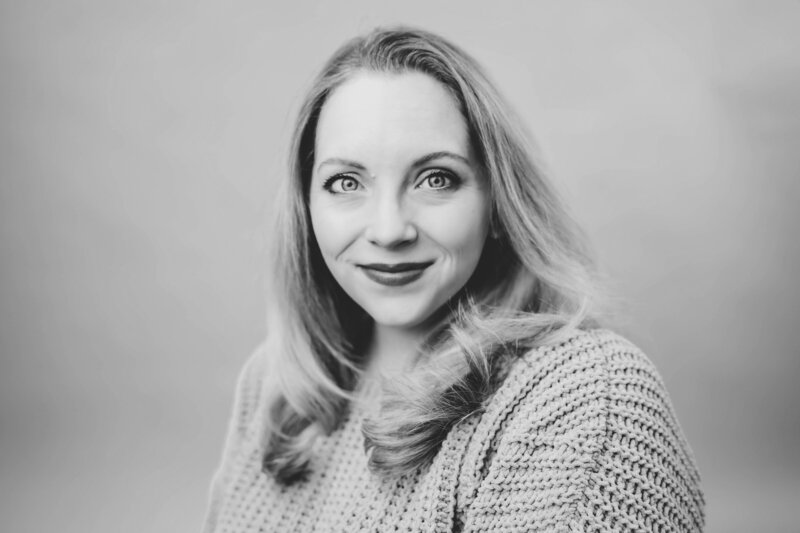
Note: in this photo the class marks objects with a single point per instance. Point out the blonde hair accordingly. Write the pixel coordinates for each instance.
(535, 281)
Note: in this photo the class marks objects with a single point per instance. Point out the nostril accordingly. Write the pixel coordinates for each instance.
(394, 235)
(394, 241)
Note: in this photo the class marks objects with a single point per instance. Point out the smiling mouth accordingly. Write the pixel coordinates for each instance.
(394, 275)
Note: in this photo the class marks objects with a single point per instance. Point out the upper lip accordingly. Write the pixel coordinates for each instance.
(396, 267)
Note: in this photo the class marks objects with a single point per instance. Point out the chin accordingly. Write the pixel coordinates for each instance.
(398, 321)
(399, 318)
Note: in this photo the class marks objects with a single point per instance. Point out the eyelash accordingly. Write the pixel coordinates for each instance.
(452, 181)
(329, 183)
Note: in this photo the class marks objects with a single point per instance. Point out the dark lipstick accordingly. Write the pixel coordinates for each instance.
(396, 274)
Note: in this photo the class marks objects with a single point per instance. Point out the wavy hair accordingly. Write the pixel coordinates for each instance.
(534, 282)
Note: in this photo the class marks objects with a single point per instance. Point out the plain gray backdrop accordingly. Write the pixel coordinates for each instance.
(140, 145)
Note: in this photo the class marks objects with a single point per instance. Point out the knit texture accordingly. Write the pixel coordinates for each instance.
(580, 437)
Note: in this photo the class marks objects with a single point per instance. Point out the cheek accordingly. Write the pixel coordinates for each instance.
(332, 230)
(460, 229)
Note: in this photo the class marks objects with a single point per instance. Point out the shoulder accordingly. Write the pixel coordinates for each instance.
(582, 431)
(571, 385)
(249, 392)
(247, 401)
(579, 382)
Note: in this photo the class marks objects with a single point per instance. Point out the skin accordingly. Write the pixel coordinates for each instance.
(395, 181)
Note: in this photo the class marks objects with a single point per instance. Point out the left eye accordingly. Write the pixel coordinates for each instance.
(437, 180)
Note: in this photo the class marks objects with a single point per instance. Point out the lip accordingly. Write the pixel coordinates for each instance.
(397, 267)
(396, 274)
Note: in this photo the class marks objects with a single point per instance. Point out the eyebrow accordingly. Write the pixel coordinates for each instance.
(444, 154)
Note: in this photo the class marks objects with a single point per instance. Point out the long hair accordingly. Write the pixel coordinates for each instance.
(534, 282)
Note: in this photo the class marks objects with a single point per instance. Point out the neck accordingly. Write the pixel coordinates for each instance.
(392, 351)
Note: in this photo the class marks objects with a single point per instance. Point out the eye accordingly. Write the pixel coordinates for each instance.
(438, 180)
(341, 184)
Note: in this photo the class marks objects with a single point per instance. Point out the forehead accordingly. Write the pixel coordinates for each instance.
(405, 112)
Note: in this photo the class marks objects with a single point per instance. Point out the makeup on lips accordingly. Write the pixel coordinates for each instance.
(396, 274)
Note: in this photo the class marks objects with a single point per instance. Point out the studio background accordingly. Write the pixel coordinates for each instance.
(140, 145)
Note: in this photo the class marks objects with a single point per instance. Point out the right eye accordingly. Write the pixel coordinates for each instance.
(342, 184)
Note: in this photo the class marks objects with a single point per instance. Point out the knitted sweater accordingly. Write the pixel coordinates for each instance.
(580, 437)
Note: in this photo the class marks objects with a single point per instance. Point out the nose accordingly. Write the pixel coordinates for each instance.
(390, 225)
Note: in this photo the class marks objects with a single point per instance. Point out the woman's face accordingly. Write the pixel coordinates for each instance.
(399, 208)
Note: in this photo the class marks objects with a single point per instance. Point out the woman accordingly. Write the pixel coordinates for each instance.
(434, 361)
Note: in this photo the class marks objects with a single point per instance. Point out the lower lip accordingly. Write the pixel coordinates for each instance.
(393, 279)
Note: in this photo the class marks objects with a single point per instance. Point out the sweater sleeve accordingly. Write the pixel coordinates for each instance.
(245, 404)
(592, 445)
